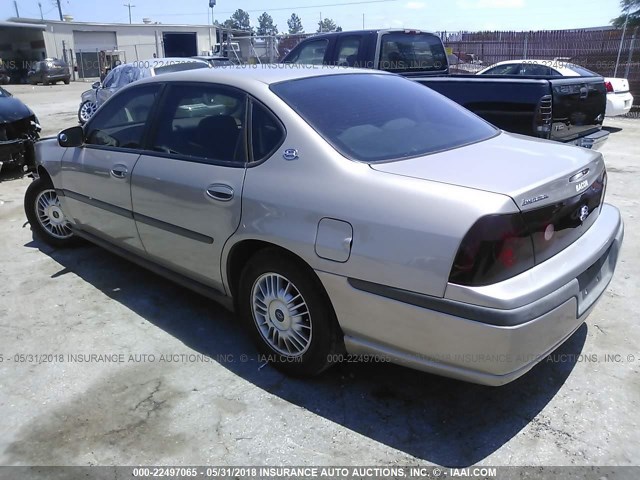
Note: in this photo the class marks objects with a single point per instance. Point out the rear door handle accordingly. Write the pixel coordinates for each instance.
(119, 171)
(220, 192)
(584, 92)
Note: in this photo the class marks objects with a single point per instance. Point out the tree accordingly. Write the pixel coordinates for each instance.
(633, 8)
(328, 25)
(295, 24)
(266, 26)
(239, 21)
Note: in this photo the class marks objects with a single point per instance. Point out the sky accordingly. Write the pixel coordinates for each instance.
(429, 15)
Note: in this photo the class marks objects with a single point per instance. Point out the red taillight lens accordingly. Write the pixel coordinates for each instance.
(497, 247)
(608, 86)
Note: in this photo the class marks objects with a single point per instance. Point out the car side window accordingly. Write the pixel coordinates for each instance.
(310, 53)
(267, 133)
(204, 123)
(348, 51)
(120, 123)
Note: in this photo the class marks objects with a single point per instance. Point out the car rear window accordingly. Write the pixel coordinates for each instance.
(583, 72)
(377, 117)
(179, 67)
(405, 52)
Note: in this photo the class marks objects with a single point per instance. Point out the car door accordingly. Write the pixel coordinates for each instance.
(96, 178)
(187, 189)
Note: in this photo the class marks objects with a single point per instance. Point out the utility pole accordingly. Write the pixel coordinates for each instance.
(212, 3)
(624, 29)
(128, 5)
(320, 22)
(59, 10)
(363, 21)
(15, 4)
(40, 7)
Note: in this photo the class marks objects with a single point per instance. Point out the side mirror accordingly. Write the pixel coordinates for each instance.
(71, 137)
(96, 85)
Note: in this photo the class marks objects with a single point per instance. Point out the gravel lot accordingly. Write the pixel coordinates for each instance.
(213, 404)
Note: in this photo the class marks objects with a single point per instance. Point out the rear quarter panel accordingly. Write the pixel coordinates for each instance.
(406, 231)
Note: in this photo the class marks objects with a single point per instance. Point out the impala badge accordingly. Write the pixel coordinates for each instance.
(529, 201)
(290, 154)
(584, 213)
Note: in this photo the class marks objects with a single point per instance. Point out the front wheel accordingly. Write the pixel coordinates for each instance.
(48, 222)
(288, 314)
(86, 111)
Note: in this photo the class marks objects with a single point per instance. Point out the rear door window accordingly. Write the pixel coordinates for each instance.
(267, 133)
(405, 52)
(348, 48)
(205, 123)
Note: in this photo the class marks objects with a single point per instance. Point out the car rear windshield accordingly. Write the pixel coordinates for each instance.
(179, 67)
(378, 117)
(407, 52)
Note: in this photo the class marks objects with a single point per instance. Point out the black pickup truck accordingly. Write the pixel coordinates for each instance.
(569, 109)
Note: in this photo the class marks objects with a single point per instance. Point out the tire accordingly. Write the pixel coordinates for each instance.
(45, 83)
(306, 350)
(67, 81)
(86, 111)
(42, 207)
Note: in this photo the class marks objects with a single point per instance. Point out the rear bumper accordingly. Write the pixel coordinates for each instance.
(618, 104)
(495, 335)
(593, 141)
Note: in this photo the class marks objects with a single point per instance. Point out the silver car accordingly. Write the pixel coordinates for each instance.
(127, 73)
(343, 214)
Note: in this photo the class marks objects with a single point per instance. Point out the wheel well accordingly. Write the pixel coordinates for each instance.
(242, 252)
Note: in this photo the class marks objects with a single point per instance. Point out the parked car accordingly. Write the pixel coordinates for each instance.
(19, 129)
(406, 229)
(459, 66)
(619, 98)
(569, 110)
(127, 73)
(216, 61)
(48, 71)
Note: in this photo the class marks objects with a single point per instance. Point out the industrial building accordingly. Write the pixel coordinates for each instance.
(90, 48)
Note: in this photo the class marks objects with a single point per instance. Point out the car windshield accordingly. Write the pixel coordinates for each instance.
(377, 117)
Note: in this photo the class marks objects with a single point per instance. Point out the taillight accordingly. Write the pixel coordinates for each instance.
(496, 247)
(608, 86)
(543, 117)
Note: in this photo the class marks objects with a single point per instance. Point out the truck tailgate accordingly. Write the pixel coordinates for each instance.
(578, 107)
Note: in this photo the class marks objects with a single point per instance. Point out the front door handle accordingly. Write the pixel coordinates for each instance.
(220, 192)
(119, 171)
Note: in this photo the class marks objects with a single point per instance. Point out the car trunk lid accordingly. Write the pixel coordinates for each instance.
(620, 85)
(558, 188)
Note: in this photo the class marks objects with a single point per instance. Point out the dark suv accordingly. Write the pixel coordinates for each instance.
(50, 70)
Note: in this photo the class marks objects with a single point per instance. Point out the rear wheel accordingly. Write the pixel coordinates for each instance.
(67, 81)
(86, 111)
(48, 222)
(288, 314)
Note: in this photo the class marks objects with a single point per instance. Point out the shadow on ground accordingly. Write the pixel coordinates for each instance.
(443, 421)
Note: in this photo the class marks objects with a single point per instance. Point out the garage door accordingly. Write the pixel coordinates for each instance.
(94, 41)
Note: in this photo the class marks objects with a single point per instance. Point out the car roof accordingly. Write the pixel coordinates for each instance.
(268, 74)
(378, 30)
